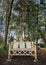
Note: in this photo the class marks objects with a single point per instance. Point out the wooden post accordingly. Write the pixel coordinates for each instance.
(35, 53)
(20, 39)
(9, 52)
(32, 45)
(34, 48)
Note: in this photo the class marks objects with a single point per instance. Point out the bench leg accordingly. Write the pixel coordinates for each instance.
(9, 53)
(35, 54)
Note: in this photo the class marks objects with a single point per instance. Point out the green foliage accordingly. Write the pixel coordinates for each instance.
(43, 32)
(18, 45)
(1, 39)
(28, 11)
(41, 1)
(25, 45)
(2, 48)
(43, 45)
(11, 39)
(27, 19)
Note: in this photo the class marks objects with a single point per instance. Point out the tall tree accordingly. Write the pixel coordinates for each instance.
(7, 18)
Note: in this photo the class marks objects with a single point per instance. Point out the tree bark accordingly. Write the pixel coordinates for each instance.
(7, 21)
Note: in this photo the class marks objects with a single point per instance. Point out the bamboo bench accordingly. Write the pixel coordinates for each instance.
(22, 51)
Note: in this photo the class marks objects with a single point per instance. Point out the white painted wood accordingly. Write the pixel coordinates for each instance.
(22, 45)
(28, 44)
(15, 45)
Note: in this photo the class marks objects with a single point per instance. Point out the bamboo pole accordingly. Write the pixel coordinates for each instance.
(9, 53)
(34, 47)
(35, 53)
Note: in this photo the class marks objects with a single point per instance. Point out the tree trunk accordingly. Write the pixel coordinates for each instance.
(7, 21)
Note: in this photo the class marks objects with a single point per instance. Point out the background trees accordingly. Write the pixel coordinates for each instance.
(24, 18)
(9, 5)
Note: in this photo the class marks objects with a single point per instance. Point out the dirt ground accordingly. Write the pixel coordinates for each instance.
(24, 60)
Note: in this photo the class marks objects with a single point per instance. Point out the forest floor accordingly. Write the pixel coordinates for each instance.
(24, 60)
